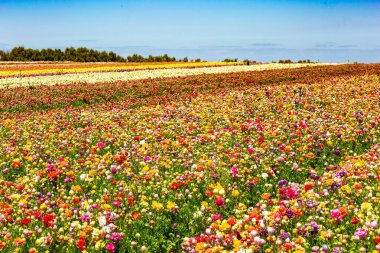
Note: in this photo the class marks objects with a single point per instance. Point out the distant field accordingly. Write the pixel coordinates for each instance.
(50, 68)
(195, 158)
(92, 73)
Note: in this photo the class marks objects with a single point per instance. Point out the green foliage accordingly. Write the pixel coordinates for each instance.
(285, 61)
(81, 54)
(230, 60)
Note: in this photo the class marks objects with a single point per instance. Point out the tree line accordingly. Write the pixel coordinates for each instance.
(80, 54)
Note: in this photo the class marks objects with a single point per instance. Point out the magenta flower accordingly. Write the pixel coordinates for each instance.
(219, 201)
(110, 247)
(335, 214)
(234, 171)
(100, 145)
(216, 217)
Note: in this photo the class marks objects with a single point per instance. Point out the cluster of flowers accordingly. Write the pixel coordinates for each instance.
(112, 76)
(269, 168)
(332, 212)
(33, 69)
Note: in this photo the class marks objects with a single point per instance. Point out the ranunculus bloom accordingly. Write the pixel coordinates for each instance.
(100, 145)
(355, 220)
(216, 217)
(110, 247)
(361, 232)
(335, 214)
(219, 201)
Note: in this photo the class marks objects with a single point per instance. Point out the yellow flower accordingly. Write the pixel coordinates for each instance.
(107, 207)
(157, 206)
(224, 226)
(366, 206)
(170, 205)
(235, 193)
(346, 189)
(204, 203)
(236, 244)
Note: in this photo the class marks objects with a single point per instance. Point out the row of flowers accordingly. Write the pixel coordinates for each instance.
(94, 77)
(273, 168)
(66, 68)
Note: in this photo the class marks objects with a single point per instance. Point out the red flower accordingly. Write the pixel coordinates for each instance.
(81, 244)
(48, 220)
(174, 186)
(308, 187)
(131, 200)
(25, 222)
(355, 220)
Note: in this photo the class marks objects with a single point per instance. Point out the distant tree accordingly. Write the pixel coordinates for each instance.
(81, 54)
(230, 60)
(185, 59)
(197, 60)
(285, 61)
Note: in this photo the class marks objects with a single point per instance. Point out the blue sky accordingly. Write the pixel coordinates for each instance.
(333, 31)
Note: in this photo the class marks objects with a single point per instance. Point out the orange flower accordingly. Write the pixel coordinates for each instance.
(136, 216)
(310, 155)
(343, 212)
(209, 193)
(265, 195)
(231, 221)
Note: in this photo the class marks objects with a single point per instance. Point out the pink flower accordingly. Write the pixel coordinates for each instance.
(234, 171)
(335, 214)
(110, 247)
(361, 233)
(100, 145)
(117, 203)
(250, 150)
(216, 217)
(219, 201)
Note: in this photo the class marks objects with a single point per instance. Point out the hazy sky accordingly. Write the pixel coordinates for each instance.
(213, 30)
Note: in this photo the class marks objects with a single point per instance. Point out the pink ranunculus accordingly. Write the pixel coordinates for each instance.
(335, 214)
(100, 144)
(117, 203)
(234, 171)
(219, 201)
(110, 247)
(361, 232)
(216, 217)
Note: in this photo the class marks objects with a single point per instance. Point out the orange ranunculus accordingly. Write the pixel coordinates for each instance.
(231, 221)
(136, 216)
(343, 212)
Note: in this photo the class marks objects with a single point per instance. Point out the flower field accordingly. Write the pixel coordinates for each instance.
(258, 160)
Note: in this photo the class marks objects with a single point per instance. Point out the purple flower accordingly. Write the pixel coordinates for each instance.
(289, 213)
(282, 182)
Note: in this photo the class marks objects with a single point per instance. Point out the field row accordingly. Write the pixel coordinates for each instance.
(113, 76)
(36, 69)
